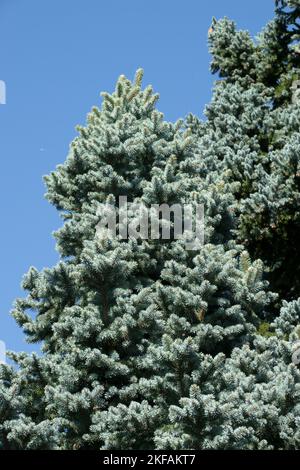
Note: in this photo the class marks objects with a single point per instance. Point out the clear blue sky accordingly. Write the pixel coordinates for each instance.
(56, 57)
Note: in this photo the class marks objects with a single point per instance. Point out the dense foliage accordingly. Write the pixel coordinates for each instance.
(147, 344)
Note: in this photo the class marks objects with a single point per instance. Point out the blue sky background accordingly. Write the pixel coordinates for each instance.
(56, 57)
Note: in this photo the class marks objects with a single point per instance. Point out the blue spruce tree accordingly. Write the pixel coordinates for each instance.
(251, 137)
(146, 343)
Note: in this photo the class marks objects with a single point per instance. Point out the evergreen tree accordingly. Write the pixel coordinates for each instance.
(91, 311)
(147, 344)
(251, 137)
(84, 309)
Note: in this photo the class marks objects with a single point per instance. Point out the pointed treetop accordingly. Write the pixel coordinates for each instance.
(138, 77)
(213, 24)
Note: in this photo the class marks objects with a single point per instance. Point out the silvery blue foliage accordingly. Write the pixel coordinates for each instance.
(147, 344)
(253, 403)
(251, 138)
